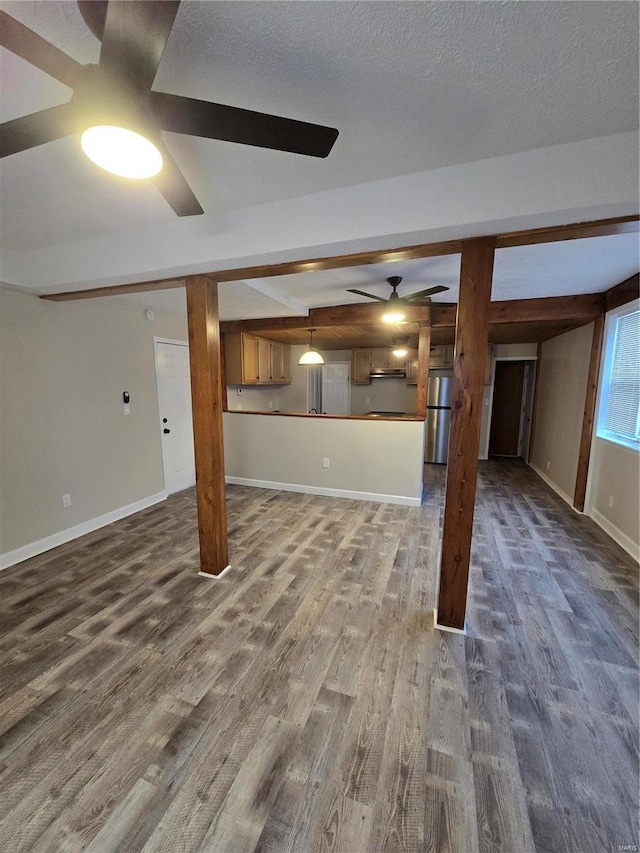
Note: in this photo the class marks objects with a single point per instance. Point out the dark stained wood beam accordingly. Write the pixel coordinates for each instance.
(424, 348)
(589, 414)
(207, 405)
(472, 330)
(626, 291)
(336, 315)
(534, 408)
(574, 231)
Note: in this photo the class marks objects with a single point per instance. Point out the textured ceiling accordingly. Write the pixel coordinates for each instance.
(411, 87)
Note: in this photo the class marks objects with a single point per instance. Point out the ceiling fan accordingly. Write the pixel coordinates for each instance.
(393, 312)
(117, 95)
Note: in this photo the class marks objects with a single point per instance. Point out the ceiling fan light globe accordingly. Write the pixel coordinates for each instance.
(400, 352)
(121, 151)
(393, 316)
(311, 356)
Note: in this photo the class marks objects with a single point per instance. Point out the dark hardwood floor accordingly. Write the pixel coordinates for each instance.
(304, 702)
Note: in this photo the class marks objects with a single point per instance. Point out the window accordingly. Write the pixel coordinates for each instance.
(619, 413)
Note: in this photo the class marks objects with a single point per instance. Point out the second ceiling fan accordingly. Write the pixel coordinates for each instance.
(393, 311)
(116, 95)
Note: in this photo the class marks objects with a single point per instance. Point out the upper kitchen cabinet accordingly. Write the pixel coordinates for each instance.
(361, 367)
(252, 360)
(441, 357)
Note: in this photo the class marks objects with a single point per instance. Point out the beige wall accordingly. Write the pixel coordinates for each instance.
(378, 458)
(615, 478)
(384, 395)
(63, 368)
(564, 367)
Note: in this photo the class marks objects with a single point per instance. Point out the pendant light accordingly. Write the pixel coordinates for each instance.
(311, 356)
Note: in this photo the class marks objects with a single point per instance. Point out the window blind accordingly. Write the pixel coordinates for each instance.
(622, 410)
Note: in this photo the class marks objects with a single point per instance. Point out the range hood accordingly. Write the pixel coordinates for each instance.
(398, 372)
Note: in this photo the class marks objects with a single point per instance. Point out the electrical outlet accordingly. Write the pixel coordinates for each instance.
(239, 392)
(548, 464)
(271, 404)
(66, 501)
(325, 462)
(610, 501)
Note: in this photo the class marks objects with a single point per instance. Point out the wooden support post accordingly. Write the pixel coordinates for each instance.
(472, 333)
(534, 408)
(424, 349)
(206, 401)
(589, 415)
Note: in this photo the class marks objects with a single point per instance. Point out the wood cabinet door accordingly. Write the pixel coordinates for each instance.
(264, 361)
(277, 368)
(361, 373)
(250, 374)
(286, 364)
(412, 367)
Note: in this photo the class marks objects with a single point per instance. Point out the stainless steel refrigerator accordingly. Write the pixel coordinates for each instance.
(438, 421)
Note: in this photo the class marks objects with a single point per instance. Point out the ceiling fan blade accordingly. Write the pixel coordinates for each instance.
(368, 295)
(422, 293)
(37, 128)
(218, 121)
(174, 187)
(94, 13)
(134, 38)
(38, 51)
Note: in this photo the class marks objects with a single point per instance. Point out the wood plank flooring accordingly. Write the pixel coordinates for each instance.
(304, 702)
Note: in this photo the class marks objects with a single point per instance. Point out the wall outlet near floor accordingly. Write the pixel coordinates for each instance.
(239, 392)
(325, 462)
(610, 501)
(271, 404)
(548, 464)
(66, 501)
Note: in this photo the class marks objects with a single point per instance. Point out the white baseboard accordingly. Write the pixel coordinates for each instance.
(320, 490)
(56, 539)
(439, 627)
(556, 488)
(626, 542)
(215, 577)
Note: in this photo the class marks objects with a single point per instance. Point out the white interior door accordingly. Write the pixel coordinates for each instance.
(176, 426)
(336, 388)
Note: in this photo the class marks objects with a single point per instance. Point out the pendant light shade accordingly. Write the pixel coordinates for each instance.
(311, 356)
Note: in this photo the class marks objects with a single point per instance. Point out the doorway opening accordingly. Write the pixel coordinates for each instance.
(513, 390)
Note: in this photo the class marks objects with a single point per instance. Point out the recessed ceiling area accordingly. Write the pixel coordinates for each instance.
(541, 270)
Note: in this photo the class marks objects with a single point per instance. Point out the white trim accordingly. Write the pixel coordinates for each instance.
(157, 340)
(321, 490)
(450, 630)
(63, 536)
(215, 577)
(556, 488)
(616, 534)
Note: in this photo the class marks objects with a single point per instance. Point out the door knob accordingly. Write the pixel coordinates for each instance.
(166, 431)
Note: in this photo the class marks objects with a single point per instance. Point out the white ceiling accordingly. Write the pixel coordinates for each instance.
(447, 113)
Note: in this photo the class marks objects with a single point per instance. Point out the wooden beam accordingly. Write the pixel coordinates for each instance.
(626, 291)
(472, 330)
(115, 290)
(424, 349)
(573, 231)
(589, 415)
(206, 402)
(534, 408)
(336, 315)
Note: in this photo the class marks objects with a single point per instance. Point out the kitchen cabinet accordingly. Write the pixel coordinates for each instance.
(280, 363)
(441, 357)
(382, 358)
(252, 360)
(412, 367)
(361, 367)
